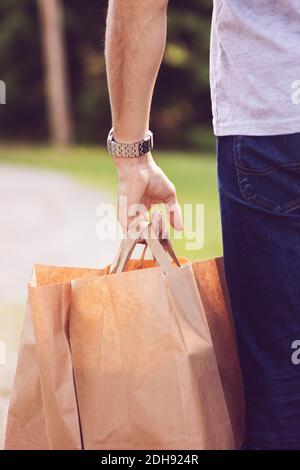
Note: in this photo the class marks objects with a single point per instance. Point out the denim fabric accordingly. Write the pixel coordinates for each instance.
(259, 187)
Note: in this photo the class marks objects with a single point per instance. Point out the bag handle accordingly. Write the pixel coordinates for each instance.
(126, 249)
(167, 245)
(159, 250)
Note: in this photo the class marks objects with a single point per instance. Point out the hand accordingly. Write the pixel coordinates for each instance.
(142, 183)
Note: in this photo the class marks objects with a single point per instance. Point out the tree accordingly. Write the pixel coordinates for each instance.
(60, 119)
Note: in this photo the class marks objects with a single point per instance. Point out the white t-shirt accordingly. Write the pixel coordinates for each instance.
(255, 67)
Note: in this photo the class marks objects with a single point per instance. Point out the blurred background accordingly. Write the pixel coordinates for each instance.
(54, 170)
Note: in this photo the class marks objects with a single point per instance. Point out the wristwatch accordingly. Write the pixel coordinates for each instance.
(137, 149)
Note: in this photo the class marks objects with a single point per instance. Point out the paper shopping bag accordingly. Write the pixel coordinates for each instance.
(43, 410)
(210, 278)
(124, 359)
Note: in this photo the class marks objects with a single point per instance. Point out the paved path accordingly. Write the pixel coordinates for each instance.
(45, 218)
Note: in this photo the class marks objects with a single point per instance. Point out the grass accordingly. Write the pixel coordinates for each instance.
(193, 174)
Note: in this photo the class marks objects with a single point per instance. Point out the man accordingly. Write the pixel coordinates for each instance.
(255, 57)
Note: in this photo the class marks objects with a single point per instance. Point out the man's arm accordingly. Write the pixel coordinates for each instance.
(135, 42)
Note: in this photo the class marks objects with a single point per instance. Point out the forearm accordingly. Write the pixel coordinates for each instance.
(135, 42)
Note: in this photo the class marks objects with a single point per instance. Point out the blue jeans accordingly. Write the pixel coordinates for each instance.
(259, 187)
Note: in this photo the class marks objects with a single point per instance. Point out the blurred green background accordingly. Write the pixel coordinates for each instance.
(181, 111)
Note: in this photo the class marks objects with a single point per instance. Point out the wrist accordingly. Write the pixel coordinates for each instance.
(129, 165)
(129, 136)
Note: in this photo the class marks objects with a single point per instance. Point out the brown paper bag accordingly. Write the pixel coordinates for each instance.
(125, 360)
(212, 286)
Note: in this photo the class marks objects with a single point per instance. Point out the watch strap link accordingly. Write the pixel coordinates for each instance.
(136, 149)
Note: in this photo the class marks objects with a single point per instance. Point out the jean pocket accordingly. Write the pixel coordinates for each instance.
(268, 171)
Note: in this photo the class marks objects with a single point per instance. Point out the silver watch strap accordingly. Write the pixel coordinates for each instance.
(137, 149)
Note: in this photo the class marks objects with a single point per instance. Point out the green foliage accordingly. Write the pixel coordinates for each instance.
(183, 85)
(181, 104)
(21, 68)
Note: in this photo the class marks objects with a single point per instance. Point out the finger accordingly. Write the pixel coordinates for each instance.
(174, 213)
(157, 227)
(136, 225)
(129, 214)
(157, 224)
(165, 235)
(137, 210)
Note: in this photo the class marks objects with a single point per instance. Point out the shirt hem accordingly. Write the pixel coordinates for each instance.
(259, 129)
